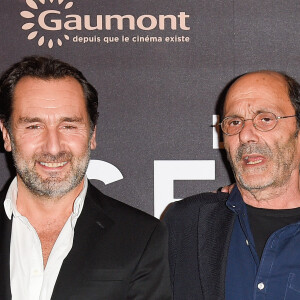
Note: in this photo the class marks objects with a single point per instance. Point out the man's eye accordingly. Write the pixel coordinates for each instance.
(33, 127)
(234, 122)
(69, 127)
(266, 120)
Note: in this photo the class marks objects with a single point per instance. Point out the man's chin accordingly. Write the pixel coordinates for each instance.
(50, 191)
(50, 187)
(253, 184)
(53, 180)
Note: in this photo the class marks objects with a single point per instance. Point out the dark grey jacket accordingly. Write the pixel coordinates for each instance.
(200, 228)
(118, 253)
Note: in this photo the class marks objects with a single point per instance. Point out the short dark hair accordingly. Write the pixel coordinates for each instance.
(43, 67)
(294, 94)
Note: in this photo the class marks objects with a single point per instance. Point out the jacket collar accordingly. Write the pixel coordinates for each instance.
(89, 226)
(91, 221)
(5, 233)
(214, 231)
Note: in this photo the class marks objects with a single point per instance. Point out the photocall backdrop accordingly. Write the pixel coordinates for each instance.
(160, 68)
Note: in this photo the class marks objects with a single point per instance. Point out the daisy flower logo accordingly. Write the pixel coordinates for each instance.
(35, 21)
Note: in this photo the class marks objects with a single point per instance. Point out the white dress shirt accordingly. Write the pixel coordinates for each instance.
(28, 278)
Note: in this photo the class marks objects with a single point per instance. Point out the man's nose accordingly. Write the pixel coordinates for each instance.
(248, 134)
(53, 141)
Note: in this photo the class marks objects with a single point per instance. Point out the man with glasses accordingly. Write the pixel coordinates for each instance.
(246, 245)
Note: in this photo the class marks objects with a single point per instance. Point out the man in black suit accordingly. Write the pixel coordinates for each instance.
(61, 238)
(245, 245)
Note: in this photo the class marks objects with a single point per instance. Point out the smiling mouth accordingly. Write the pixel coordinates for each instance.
(52, 164)
(252, 160)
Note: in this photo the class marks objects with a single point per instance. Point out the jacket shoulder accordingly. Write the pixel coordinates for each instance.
(118, 210)
(187, 208)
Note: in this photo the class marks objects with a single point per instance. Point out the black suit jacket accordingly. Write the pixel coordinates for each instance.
(200, 228)
(118, 252)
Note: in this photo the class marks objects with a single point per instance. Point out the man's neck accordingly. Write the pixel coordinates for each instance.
(39, 209)
(283, 197)
(47, 216)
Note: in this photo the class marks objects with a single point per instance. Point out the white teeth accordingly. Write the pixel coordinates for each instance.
(53, 165)
(254, 162)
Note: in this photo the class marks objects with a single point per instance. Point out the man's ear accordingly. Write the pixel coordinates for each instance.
(6, 137)
(93, 140)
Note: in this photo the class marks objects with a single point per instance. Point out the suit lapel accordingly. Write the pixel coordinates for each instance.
(89, 224)
(214, 232)
(5, 233)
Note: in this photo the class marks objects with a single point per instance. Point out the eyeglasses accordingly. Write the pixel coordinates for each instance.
(264, 121)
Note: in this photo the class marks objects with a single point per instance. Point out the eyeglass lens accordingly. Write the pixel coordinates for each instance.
(263, 121)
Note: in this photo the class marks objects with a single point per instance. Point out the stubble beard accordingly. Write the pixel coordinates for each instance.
(53, 186)
(281, 159)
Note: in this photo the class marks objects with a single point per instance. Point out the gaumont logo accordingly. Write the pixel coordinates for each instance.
(37, 18)
(51, 22)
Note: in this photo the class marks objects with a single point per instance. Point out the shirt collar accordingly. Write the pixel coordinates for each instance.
(235, 202)
(11, 199)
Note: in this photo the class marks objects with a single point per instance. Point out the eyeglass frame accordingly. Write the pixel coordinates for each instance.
(254, 125)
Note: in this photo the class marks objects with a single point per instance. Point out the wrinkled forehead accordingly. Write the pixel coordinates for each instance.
(48, 97)
(258, 91)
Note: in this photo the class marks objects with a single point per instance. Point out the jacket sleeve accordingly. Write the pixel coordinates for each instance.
(151, 279)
